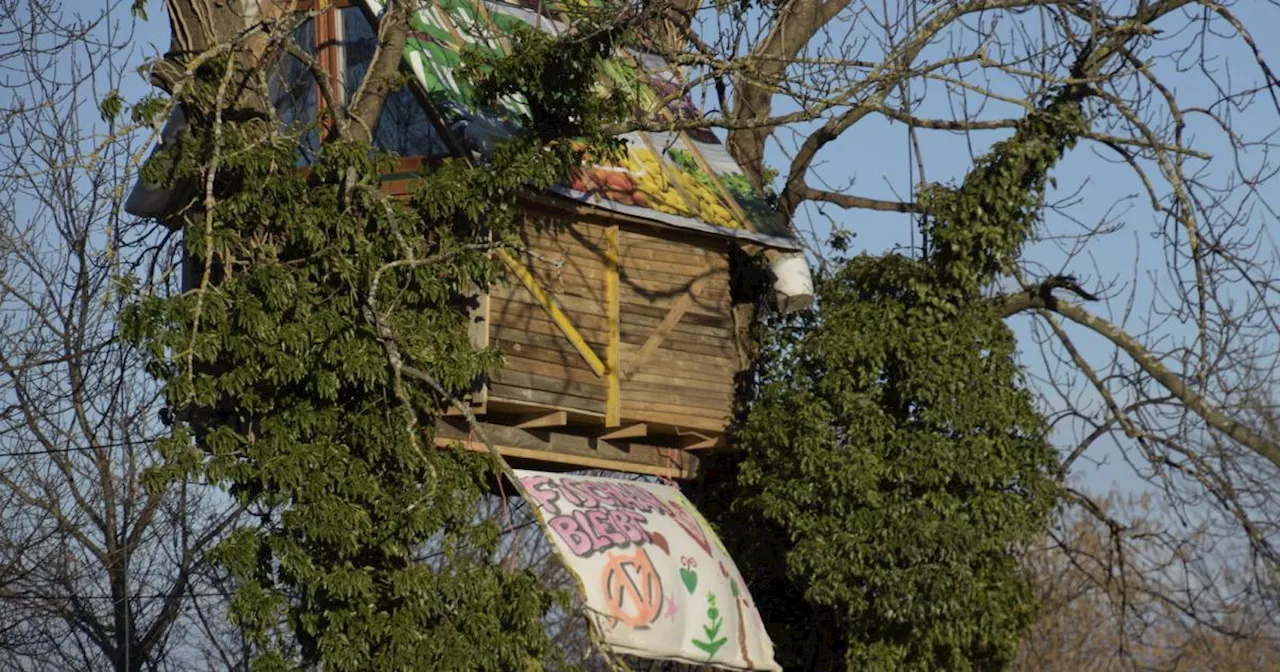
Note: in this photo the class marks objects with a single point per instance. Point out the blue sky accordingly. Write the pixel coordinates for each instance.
(1127, 266)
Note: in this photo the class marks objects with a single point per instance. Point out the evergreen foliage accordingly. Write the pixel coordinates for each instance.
(284, 374)
(892, 450)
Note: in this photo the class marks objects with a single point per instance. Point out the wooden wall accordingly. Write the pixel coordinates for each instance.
(675, 360)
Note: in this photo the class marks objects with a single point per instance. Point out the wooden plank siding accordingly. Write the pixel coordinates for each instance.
(656, 382)
(682, 380)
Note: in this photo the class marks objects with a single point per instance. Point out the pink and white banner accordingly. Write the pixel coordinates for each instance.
(658, 582)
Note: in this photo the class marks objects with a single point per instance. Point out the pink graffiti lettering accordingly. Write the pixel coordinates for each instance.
(577, 495)
(607, 515)
(602, 492)
(571, 534)
(542, 489)
(588, 532)
(584, 494)
(620, 496)
(638, 498)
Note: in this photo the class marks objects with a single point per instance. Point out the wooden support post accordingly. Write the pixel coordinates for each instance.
(613, 403)
(553, 449)
(553, 309)
(478, 332)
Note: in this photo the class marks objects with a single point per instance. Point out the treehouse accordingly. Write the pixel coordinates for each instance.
(620, 320)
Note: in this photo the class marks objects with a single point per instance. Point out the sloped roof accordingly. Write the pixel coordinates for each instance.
(687, 179)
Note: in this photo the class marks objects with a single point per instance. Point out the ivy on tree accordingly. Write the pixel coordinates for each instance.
(284, 374)
(891, 448)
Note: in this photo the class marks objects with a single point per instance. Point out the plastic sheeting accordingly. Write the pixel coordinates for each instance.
(657, 581)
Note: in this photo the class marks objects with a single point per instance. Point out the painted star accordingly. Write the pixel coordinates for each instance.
(671, 606)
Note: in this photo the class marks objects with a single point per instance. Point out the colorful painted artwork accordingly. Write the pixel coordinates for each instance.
(442, 31)
(658, 583)
(678, 178)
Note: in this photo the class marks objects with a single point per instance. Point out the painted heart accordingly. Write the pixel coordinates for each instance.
(690, 579)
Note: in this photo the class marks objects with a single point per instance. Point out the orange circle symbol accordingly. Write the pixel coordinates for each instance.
(632, 589)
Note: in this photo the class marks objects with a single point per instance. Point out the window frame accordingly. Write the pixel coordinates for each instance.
(328, 34)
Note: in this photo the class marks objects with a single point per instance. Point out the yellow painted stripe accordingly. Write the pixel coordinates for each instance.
(613, 402)
(553, 309)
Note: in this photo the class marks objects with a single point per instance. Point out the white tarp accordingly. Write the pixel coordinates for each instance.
(658, 582)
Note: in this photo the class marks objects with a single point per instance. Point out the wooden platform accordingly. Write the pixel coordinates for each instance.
(569, 448)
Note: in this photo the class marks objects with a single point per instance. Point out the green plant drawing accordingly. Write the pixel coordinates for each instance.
(711, 629)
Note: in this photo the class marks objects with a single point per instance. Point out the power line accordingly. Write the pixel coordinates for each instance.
(80, 596)
(72, 449)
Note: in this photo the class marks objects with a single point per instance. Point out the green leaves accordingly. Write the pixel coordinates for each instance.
(559, 80)
(891, 451)
(891, 446)
(292, 401)
(111, 106)
(979, 229)
(280, 384)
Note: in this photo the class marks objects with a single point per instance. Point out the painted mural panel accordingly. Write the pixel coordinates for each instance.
(442, 31)
(685, 176)
(658, 582)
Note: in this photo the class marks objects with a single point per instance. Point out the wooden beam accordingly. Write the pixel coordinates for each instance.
(703, 442)
(633, 431)
(552, 419)
(571, 450)
(679, 422)
(660, 332)
(478, 332)
(613, 402)
(516, 406)
(674, 471)
(553, 309)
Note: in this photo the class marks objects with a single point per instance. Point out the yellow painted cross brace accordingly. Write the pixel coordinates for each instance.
(613, 404)
(553, 309)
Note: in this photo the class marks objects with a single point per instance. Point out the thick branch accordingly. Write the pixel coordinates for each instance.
(384, 72)
(798, 21)
(897, 67)
(851, 201)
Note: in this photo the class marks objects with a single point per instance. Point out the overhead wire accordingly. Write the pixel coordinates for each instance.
(72, 449)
